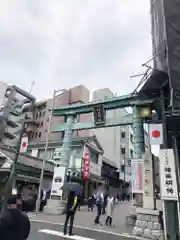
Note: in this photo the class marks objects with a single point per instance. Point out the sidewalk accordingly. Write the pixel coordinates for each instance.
(85, 219)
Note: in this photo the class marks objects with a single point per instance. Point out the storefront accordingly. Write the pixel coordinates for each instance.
(111, 176)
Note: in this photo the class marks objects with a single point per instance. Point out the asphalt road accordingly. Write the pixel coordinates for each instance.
(47, 231)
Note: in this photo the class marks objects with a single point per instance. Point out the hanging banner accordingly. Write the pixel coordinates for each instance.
(168, 175)
(156, 134)
(86, 165)
(137, 175)
(24, 144)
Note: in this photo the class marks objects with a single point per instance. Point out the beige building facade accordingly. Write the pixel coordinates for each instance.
(42, 114)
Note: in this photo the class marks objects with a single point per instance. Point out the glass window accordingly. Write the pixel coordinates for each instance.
(41, 153)
(123, 150)
(32, 134)
(79, 153)
(131, 138)
(131, 153)
(39, 134)
(123, 134)
(62, 135)
(94, 157)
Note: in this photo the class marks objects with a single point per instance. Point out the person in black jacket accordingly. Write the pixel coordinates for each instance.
(14, 224)
(71, 207)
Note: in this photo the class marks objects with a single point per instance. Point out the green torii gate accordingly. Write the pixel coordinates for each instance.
(71, 113)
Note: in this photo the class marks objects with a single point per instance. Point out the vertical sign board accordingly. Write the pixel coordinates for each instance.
(99, 115)
(148, 196)
(86, 165)
(168, 175)
(58, 180)
(137, 175)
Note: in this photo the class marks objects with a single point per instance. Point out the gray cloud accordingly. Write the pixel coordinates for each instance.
(60, 43)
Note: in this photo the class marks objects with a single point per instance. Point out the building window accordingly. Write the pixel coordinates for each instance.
(32, 134)
(131, 153)
(39, 134)
(40, 114)
(41, 124)
(123, 135)
(131, 138)
(43, 114)
(63, 133)
(75, 133)
(94, 157)
(123, 150)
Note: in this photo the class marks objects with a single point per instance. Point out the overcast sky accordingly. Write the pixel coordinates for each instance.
(61, 43)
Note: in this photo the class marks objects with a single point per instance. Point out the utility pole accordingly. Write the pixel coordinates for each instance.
(46, 148)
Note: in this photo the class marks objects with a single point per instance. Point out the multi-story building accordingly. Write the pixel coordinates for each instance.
(126, 151)
(110, 137)
(12, 101)
(42, 112)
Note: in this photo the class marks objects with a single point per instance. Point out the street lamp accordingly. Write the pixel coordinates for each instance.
(46, 148)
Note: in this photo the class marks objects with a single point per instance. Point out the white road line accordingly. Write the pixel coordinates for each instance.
(60, 234)
(127, 235)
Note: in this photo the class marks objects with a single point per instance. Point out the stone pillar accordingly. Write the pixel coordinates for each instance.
(139, 146)
(56, 205)
(148, 222)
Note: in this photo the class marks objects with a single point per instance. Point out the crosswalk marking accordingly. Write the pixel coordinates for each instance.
(60, 234)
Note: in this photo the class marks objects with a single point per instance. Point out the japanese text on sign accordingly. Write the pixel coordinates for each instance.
(86, 168)
(168, 175)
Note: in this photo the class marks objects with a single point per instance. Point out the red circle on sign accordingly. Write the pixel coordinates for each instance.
(156, 133)
(24, 144)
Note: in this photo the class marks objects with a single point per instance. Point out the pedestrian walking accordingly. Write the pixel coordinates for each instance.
(123, 191)
(43, 200)
(71, 207)
(14, 224)
(104, 203)
(99, 205)
(110, 209)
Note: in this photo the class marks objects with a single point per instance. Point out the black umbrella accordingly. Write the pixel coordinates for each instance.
(73, 186)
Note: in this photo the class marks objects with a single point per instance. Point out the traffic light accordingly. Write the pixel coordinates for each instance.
(99, 115)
